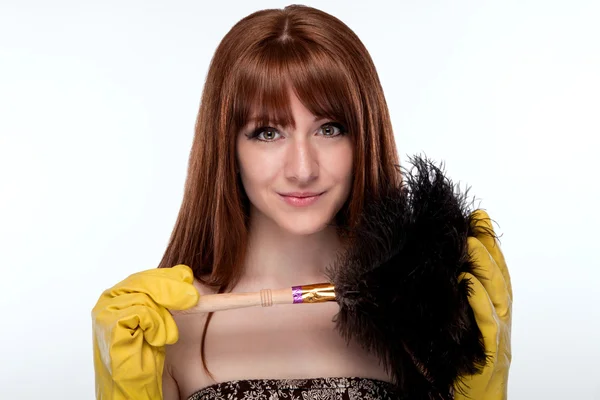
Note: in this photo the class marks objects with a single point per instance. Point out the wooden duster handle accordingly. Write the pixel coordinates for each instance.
(316, 293)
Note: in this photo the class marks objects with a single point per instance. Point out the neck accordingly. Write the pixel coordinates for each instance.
(276, 258)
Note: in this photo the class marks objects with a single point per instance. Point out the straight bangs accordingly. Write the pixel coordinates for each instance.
(260, 87)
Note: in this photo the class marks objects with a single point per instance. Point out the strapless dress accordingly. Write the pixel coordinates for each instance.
(300, 389)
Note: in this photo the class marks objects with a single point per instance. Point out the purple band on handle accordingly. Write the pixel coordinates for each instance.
(297, 294)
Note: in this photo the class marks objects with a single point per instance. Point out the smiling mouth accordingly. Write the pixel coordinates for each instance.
(301, 200)
(301, 194)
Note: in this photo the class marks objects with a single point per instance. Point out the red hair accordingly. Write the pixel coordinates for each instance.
(262, 57)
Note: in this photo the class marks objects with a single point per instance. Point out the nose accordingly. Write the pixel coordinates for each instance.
(301, 164)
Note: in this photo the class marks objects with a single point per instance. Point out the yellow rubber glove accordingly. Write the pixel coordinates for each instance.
(131, 326)
(491, 302)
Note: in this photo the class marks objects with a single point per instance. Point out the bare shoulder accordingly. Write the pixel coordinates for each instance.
(182, 357)
(191, 325)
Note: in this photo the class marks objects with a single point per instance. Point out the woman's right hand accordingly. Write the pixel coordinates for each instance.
(132, 324)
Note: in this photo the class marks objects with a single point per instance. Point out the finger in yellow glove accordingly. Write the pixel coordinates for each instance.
(491, 302)
(131, 326)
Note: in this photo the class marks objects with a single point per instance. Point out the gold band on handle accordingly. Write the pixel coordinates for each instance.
(315, 293)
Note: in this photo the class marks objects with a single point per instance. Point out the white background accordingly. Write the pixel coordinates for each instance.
(97, 107)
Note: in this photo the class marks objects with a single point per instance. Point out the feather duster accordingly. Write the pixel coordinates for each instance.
(398, 288)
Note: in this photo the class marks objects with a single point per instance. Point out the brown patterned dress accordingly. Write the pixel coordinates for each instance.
(300, 389)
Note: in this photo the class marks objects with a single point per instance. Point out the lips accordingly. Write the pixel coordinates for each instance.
(301, 199)
(301, 194)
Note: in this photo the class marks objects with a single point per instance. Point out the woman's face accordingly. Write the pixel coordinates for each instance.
(280, 166)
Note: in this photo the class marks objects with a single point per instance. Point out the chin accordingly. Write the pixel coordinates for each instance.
(304, 225)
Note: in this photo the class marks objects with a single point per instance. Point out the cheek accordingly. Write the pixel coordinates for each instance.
(256, 170)
(341, 161)
(253, 180)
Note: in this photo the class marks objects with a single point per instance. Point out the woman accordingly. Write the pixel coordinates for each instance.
(293, 137)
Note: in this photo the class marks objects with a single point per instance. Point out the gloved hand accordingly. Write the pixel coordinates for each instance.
(491, 302)
(131, 326)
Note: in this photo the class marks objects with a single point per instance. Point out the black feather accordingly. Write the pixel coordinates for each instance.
(398, 289)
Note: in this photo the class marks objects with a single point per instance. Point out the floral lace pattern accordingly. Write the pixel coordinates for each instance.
(300, 389)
